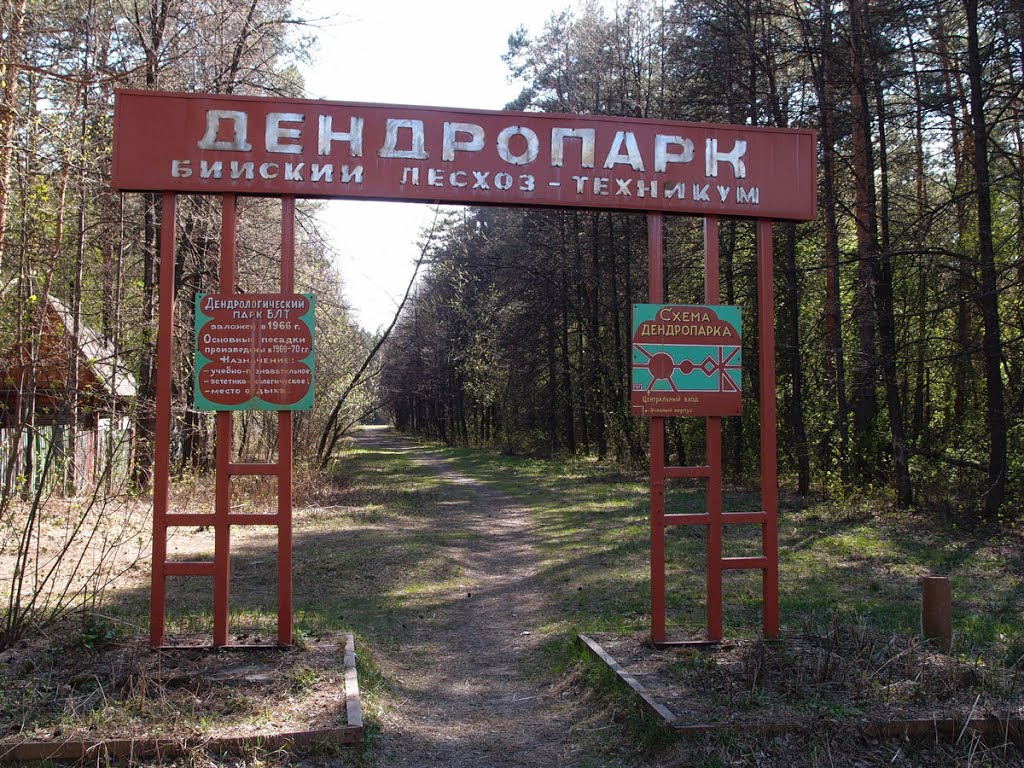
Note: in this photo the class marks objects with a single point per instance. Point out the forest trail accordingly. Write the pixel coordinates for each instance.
(460, 693)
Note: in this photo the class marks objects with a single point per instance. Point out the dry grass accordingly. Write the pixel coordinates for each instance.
(121, 690)
(385, 552)
(843, 674)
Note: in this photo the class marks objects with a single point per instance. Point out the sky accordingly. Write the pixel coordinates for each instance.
(425, 53)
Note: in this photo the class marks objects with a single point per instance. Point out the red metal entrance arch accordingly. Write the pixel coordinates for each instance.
(230, 145)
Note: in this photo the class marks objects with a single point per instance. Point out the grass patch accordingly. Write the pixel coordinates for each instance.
(615, 729)
(368, 559)
(371, 557)
(862, 561)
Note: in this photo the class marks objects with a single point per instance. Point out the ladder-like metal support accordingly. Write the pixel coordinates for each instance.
(714, 518)
(222, 518)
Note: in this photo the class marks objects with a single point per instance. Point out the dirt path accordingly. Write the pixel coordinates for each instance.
(461, 697)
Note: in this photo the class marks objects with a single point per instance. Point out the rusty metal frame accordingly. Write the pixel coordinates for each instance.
(711, 471)
(779, 167)
(222, 518)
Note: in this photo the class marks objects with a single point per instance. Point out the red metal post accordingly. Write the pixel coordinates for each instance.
(769, 466)
(656, 295)
(284, 449)
(162, 427)
(713, 450)
(222, 526)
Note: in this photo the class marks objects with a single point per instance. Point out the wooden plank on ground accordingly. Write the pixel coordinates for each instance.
(650, 703)
(98, 749)
(353, 709)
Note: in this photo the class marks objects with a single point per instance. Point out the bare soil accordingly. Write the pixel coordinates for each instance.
(463, 696)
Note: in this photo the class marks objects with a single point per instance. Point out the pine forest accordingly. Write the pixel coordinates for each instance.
(899, 311)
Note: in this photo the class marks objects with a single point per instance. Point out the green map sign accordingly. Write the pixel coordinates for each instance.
(687, 360)
(254, 351)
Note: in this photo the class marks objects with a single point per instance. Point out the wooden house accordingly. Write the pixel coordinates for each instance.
(36, 400)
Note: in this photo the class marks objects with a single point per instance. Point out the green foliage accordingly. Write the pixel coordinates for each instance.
(97, 631)
(520, 333)
(856, 559)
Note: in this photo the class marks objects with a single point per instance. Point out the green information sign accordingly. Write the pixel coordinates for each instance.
(687, 360)
(254, 352)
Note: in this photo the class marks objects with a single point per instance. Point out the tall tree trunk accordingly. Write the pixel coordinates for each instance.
(962, 379)
(582, 311)
(114, 436)
(887, 328)
(835, 360)
(618, 388)
(794, 363)
(11, 51)
(568, 420)
(75, 353)
(866, 402)
(637, 449)
(917, 418)
(821, 51)
(595, 351)
(751, 347)
(75, 341)
(145, 409)
(554, 438)
(988, 300)
(734, 425)
(151, 33)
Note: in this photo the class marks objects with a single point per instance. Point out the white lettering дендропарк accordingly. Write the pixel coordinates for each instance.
(406, 138)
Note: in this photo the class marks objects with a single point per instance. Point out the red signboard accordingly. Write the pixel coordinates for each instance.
(270, 146)
(254, 352)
